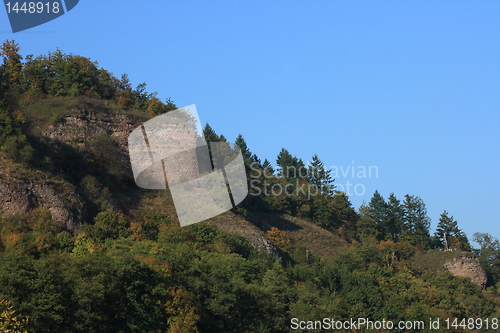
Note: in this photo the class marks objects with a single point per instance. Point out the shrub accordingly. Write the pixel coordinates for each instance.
(18, 148)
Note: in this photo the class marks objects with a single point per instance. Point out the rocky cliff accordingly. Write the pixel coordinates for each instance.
(24, 188)
(467, 266)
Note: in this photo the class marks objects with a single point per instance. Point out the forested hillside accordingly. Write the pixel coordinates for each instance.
(83, 249)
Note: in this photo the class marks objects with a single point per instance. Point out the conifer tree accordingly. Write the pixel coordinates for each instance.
(290, 167)
(319, 177)
(268, 167)
(378, 212)
(395, 216)
(416, 222)
(448, 227)
(209, 134)
(365, 225)
(240, 142)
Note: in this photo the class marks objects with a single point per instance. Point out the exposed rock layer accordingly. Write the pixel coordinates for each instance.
(467, 266)
(19, 197)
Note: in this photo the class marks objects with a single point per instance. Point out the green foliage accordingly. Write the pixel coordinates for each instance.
(61, 74)
(9, 321)
(18, 148)
(395, 217)
(12, 141)
(489, 255)
(64, 242)
(201, 279)
(11, 68)
(320, 178)
(290, 167)
(417, 223)
(210, 135)
(449, 235)
(108, 225)
(98, 196)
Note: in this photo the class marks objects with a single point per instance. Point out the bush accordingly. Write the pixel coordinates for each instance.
(108, 225)
(99, 196)
(18, 148)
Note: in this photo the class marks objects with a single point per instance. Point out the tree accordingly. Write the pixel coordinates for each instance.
(489, 255)
(395, 216)
(366, 226)
(12, 65)
(209, 134)
(416, 222)
(290, 167)
(182, 312)
(344, 214)
(378, 212)
(35, 75)
(18, 148)
(448, 227)
(12, 141)
(267, 167)
(9, 321)
(240, 142)
(319, 177)
(108, 225)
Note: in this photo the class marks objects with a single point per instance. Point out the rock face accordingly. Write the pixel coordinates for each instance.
(84, 124)
(235, 224)
(19, 197)
(467, 266)
(22, 192)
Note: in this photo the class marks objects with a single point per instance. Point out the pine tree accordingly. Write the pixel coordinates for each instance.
(395, 216)
(284, 162)
(209, 134)
(268, 167)
(319, 177)
(256, 160)
(248, 157)
(290, 167)
(345, 215)
(365, 225)
(416, 222)
(378, 212)
(454, 236)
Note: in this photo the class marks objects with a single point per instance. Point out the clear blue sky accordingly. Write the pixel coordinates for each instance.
(411, 87)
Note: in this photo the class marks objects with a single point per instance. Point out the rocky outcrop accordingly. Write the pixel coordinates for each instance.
(235, 224)
(467, 266)
(83, 124)
(23, 189)
(18, 197)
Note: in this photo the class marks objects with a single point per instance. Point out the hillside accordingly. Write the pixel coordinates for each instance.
(84, 249)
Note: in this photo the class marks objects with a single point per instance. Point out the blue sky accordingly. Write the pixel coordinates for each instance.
(411, 87)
